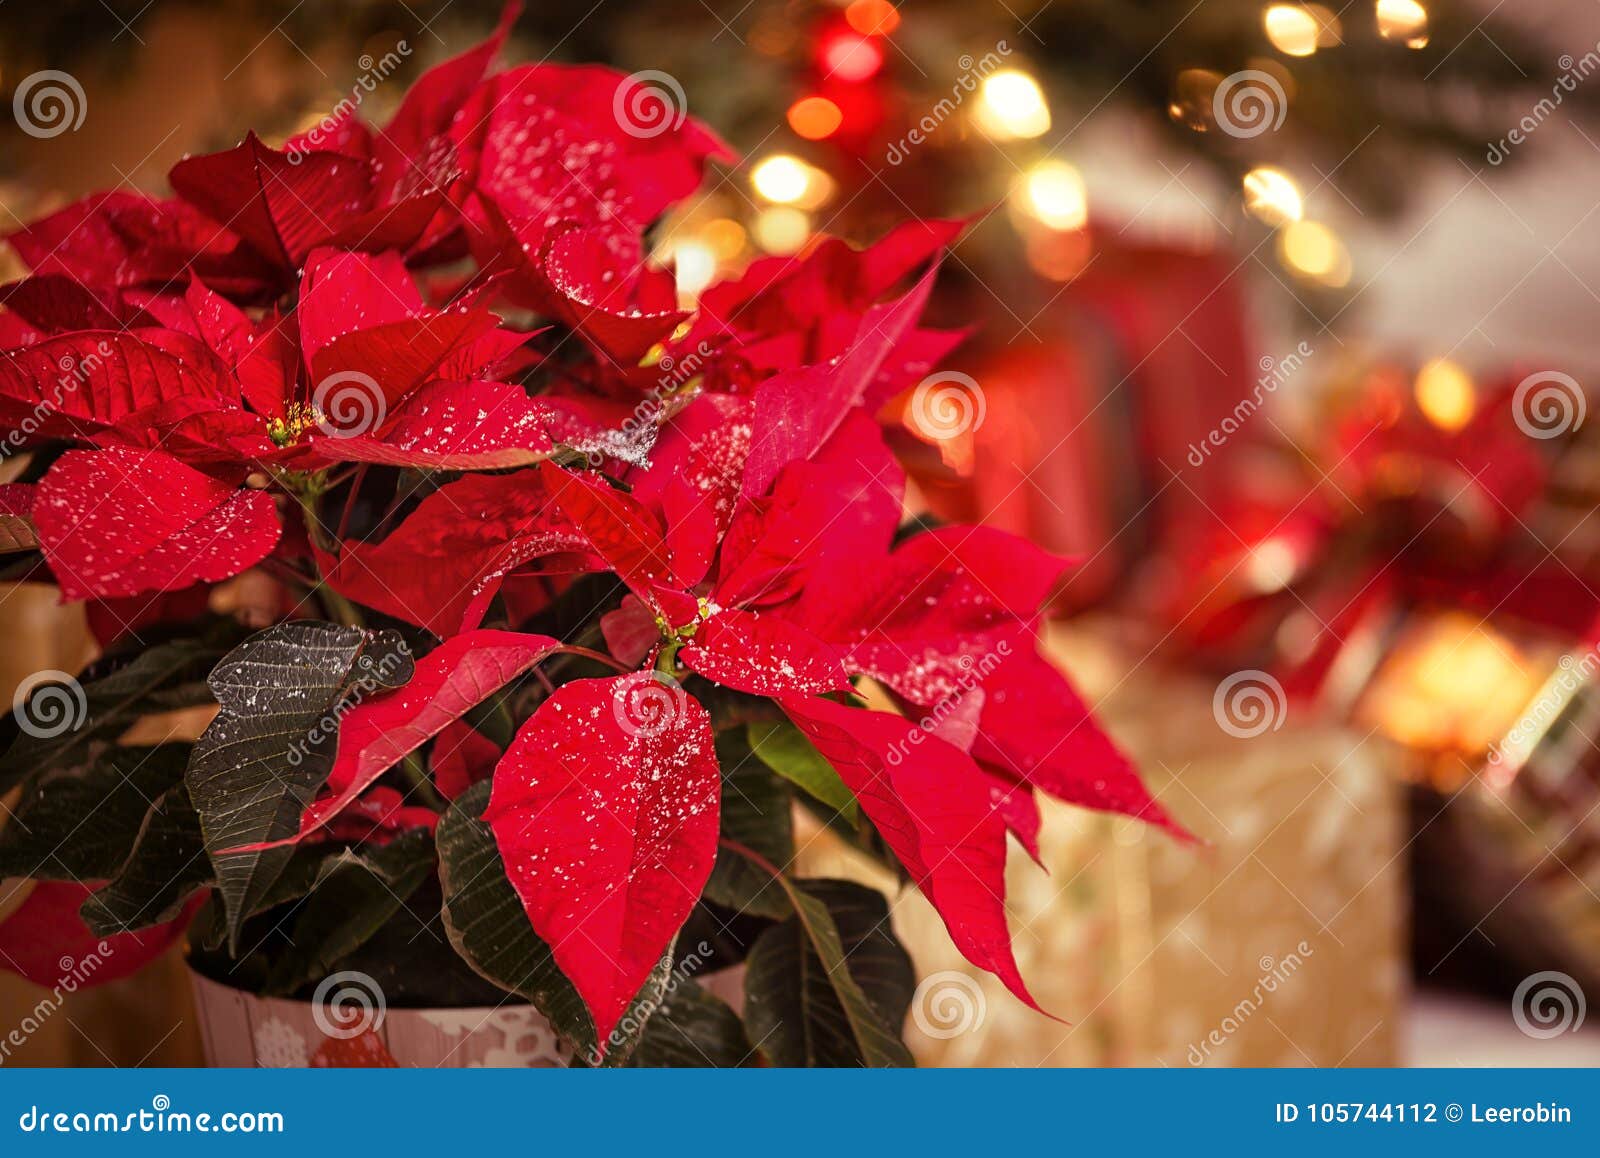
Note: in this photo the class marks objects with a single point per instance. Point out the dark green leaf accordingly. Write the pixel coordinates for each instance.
(756, 813)
(167, 865)
(489, 928)
(81, 823)
(353, 895)
(784, 748)
(260, 763)
(692, 1029)
(808, 980)
(113, 700)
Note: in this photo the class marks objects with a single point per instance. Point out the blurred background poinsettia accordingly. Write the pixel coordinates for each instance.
(1280, 318)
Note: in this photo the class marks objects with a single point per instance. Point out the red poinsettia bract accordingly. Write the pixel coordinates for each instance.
(270, 369)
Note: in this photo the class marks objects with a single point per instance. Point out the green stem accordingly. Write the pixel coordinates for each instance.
(416, 775)
(338, 608)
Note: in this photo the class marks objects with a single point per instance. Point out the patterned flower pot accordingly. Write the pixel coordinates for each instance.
(352, 1028)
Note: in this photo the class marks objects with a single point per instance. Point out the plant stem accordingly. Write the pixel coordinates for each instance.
(338, 608)
(417, 776)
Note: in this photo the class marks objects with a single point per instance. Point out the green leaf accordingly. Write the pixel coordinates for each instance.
(167, 866)
(260, 763)
(112, 701)
(692, 1029)
(485, 921)
(351, 898)
(757, 813)
(808, 980)
(81, 823)
(784, 748)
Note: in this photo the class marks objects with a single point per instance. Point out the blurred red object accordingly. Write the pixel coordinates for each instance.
(1086, 430)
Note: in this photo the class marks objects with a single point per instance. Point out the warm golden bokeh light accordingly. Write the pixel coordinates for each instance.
(1404, 20)
(725, 236)
(815, 117)
(1052, 193)
(1315, 252)
(872, 17)
(781, 179)
(1291, 28)
(1011, 106)
(781, 230)
(1271, 195)
(1445, 394)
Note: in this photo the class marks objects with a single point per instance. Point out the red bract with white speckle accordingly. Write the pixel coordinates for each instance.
(572, 593)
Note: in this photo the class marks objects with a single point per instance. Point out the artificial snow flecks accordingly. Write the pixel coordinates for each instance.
(762, 655)
(797, 410)
(380, 731)
(120, 522)
(78, 386)
(605, 811)
(440, 568)
(456, 426)
(260, 762)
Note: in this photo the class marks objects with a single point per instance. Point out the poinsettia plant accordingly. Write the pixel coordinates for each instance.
(577, 598)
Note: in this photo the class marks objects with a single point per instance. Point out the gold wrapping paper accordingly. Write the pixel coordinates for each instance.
(1280, 944)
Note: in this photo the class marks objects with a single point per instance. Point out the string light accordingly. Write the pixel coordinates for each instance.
(782, 179)
(1315, 252)
(725, 236)
(1270, 195)
(694, 266)
(1403, 20)
(872, 17)
(851, 56)
(781, 230)
(1291, 28)
(1011, 106)
(1052, 193)
(815, 117)
(1445, 394)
